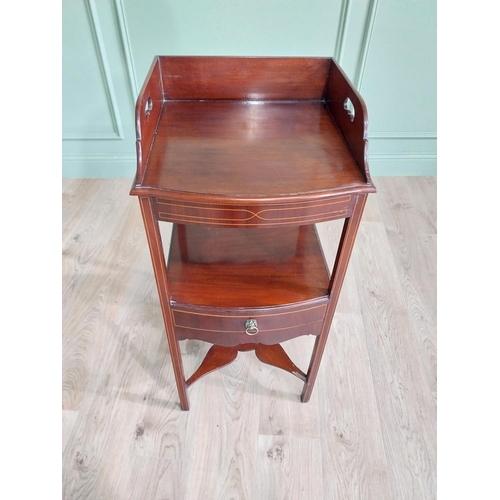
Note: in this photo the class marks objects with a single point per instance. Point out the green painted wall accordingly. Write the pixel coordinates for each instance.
(387, 47)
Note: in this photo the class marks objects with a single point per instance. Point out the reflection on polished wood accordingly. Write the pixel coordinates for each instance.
(255, 149)
(246, 267)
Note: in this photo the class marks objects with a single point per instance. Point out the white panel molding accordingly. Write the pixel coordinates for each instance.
(97, 37)
(345, 11)
(127, 50)
(98, 166)
(105, 69)
(402, 135)
(102, 157)
(90, 136)
(365, 43)
(402, 156)
(358, 80)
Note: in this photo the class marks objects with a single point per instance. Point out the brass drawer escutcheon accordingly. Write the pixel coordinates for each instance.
(251, 327)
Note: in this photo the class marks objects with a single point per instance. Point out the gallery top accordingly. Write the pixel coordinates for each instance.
(249, 129)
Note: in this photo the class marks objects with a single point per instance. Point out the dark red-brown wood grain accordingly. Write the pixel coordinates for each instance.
(146, 122)
(249, 128)
(246, 267)
(250, 150)
(221, 277)
(256, 78)
(244, 155)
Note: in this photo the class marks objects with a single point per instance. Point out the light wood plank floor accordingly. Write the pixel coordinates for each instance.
(369, 430)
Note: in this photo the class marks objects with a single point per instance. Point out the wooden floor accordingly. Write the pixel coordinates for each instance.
(369, 430)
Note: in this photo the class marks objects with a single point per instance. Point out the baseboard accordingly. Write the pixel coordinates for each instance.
(383, 165)
(99, 166)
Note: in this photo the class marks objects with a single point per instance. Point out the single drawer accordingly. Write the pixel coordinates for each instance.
(291, 213)
(239, 326)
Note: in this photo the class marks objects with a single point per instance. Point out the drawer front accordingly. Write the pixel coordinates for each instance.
(229, 327)
(268, 214)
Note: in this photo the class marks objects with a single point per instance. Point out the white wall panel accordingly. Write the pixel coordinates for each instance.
(387, 47)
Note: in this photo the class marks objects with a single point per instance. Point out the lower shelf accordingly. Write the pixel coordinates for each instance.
(221, 277)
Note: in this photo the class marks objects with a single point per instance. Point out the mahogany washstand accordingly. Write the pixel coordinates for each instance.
(244, 155)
